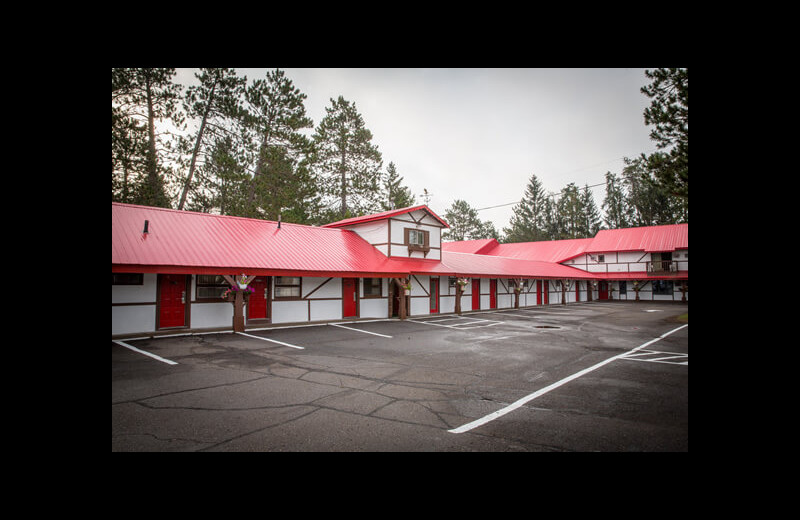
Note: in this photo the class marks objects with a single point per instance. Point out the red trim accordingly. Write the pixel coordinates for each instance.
(383, 215)
(173, 269)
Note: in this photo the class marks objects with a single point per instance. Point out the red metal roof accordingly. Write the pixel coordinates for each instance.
(476, 247)
(188, 242)
(544, 251)
(201, 243)
(383, 215)
(651, 239)
(488, 265)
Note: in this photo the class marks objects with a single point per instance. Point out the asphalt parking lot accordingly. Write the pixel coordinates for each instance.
(593, 376)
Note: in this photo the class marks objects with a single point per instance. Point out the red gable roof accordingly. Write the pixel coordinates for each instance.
(383, 215)
(189, 242)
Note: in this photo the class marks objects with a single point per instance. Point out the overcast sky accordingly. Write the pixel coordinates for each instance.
(479, 134)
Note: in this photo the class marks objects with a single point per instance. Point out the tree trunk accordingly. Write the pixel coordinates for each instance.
(152, 164)
(197, 147)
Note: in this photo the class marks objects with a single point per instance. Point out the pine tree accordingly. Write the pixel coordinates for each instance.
(346, 161)
(139, 98)
(615, 204)
(397, 195)
(552, 218)
(570, 209)
(669, 112)
(465, 224)
(651, 203)
(281, 180)
(528, 221)
(221, 181)
(213, 103)
(590, 212)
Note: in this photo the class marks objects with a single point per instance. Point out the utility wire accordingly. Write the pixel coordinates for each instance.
(567, 173)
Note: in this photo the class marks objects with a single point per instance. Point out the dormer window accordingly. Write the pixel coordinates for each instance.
(416, 237)
(417, 240)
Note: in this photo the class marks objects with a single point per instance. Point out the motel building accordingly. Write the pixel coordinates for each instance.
(184, 272)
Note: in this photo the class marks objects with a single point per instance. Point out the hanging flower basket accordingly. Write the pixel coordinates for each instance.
(229, 295)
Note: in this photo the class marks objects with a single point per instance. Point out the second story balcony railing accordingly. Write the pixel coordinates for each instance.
(661, 267)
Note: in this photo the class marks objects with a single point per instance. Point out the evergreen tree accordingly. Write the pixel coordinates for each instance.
(139, 98)
(615, 204)
(592, 220)
(571, 213)
(669, 112)
(397, 195)
(281, 181)
(346, 161)
(552, 218)
(221, 181)
(651, 203)
(465, 224)
(529, 219)
(213, 103)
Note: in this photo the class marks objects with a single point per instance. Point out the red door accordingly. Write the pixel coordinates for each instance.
(546, 292)
(172, 301)
(538, 292)
(349, 297)
(257, 306)
(493, 293)
(476, 294)
(434, 295)
(602, 291)
(577, 291)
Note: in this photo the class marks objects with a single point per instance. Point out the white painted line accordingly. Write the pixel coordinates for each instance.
(359, 330)
(528, 316)
(444, 319)
(458, 327)
(516, 404)
(686, 363)
(272, 340)
(140, 351)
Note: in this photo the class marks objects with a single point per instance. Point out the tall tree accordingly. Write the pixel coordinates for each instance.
(615, 204)
(552, 218)
(591, 215)
(347, 161)
(396, 195)
(527, 224)
(139, 98)
(669, 113)
(281, 179)
(212, 102)
(465, 224)
(651, 203)
(222, 180)
(571, 211)
(128, 140)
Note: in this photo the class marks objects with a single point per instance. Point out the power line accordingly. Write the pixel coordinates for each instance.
(552, 195)
(567, 173)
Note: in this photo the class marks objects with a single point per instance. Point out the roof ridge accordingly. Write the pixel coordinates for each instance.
(201, 213)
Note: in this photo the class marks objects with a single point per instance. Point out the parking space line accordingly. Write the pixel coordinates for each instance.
(140, 351)
(444, 319)
(472, 323)
(272, 340)
(671, 358)
(516, 404)
(359, 330)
